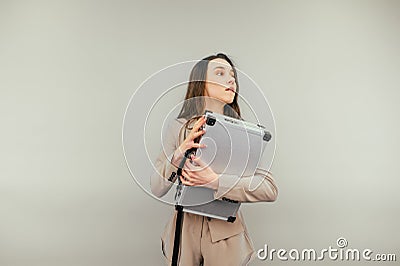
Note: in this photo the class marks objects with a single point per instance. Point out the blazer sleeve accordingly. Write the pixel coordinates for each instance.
(164, 169)
(259, 187)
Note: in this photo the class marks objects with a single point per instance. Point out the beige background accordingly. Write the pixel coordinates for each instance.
(330, 70)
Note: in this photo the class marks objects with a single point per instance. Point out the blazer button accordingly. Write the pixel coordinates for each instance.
(208, 218)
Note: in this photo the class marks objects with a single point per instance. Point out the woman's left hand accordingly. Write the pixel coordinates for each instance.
(201, 175)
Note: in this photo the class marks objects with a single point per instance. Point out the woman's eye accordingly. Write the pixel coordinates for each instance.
(219, 73)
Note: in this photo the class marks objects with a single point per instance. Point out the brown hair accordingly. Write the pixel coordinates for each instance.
(194, 105)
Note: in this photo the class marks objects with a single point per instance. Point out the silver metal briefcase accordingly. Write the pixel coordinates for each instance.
(234, 147)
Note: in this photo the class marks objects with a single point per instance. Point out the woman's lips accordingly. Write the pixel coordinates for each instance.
(230, 89)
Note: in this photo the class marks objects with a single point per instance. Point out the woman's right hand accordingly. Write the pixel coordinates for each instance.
(189, 143)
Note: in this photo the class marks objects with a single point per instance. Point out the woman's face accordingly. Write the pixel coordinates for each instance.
(220, 83)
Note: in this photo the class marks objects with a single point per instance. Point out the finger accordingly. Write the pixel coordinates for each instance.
(198, 133)
(187, 179)
(192, 177)
(198, 161)
(193, 167)
(187, 175)
(198, 124)
(183, 178)
(184, 173)
(187, 183)
(188, 166)
(198, 145)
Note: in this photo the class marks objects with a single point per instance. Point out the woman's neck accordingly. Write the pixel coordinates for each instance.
(214, 105)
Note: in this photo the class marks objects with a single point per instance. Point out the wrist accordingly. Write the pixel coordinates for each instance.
(214, 184)
(175, 160)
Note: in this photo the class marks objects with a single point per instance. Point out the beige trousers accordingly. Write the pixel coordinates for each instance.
(197, 247)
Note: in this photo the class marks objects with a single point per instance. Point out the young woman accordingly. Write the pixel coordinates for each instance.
(213, 86)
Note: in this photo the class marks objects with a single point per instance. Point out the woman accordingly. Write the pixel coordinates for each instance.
(213, 86)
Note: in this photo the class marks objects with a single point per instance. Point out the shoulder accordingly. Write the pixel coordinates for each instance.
(175, 123)
(180, 120)
(173, 126)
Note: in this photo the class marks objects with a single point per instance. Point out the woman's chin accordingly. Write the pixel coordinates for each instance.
(230, 100)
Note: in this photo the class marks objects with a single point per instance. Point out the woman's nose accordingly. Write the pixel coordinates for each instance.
(231, 80)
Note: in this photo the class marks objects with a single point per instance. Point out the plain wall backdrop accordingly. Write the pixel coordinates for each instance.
(330, 71)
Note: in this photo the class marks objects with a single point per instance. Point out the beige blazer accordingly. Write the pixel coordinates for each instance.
(261, 187)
